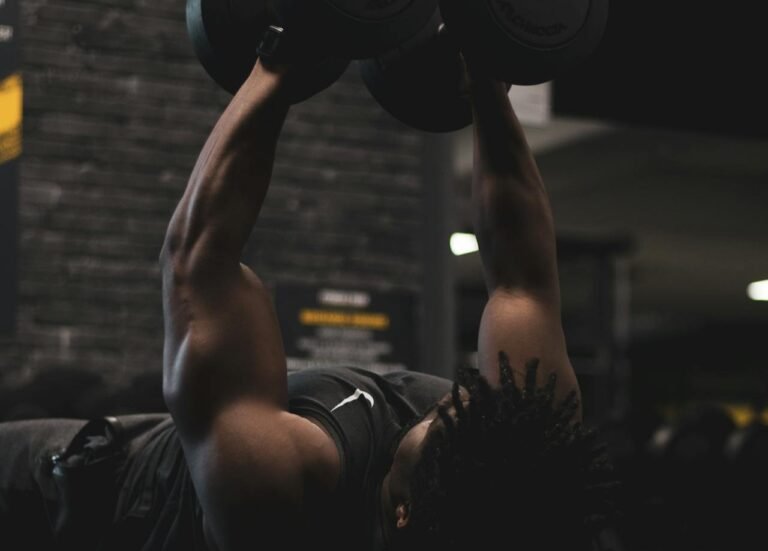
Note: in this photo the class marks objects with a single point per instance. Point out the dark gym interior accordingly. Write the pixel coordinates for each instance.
(654, 152)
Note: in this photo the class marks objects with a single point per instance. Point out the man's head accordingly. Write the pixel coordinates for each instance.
(505, 466)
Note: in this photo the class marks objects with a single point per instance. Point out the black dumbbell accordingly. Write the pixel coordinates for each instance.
(420, 82)
(227, 35)
(526, 42)
(355, 29)
(520, 42)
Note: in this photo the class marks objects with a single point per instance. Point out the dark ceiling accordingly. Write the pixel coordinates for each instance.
(684, 64)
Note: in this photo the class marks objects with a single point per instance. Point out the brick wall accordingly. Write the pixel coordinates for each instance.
(116, 110)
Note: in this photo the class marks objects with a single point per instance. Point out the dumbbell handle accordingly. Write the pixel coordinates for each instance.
(269, 47)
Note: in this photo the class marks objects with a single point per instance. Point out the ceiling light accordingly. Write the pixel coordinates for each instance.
(758, 290)
(463, 243)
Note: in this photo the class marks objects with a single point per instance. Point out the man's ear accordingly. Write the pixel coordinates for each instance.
(402, 514)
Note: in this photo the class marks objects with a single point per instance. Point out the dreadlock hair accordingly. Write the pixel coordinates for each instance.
(512, 470)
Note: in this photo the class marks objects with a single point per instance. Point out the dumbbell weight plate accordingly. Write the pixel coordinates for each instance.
(224, 44)
(419, 83)
(356, 29)
(226, 35)
(527, 42)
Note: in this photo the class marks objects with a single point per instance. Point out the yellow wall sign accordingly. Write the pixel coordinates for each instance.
(328, 325)
(11, 106)
(359, 320)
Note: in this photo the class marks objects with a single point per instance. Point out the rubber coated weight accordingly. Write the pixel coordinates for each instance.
(527, 42)
(223, 44)
(355, 29)
(226, 36)
(420, 83)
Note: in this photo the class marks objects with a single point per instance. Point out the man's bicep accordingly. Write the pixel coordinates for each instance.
(524, 327)
(223, 344)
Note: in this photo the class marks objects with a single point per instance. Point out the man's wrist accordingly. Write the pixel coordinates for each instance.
(269, 73)
(484, 87)
(272, 79)
(481, 79)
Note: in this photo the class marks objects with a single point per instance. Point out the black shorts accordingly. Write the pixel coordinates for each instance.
(59, 479)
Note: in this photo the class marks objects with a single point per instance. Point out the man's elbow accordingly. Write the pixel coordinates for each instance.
(199, 249)
(183, 235)
(173, 259)
(169, 248)
(184, 253)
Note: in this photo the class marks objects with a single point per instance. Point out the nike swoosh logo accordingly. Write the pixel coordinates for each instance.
(356, 396)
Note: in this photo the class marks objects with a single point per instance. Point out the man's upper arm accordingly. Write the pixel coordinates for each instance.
(525, 326)
(223, 343)
(253, 464)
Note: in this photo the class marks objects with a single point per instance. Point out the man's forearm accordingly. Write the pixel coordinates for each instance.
(230, 179)
(512, 214)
